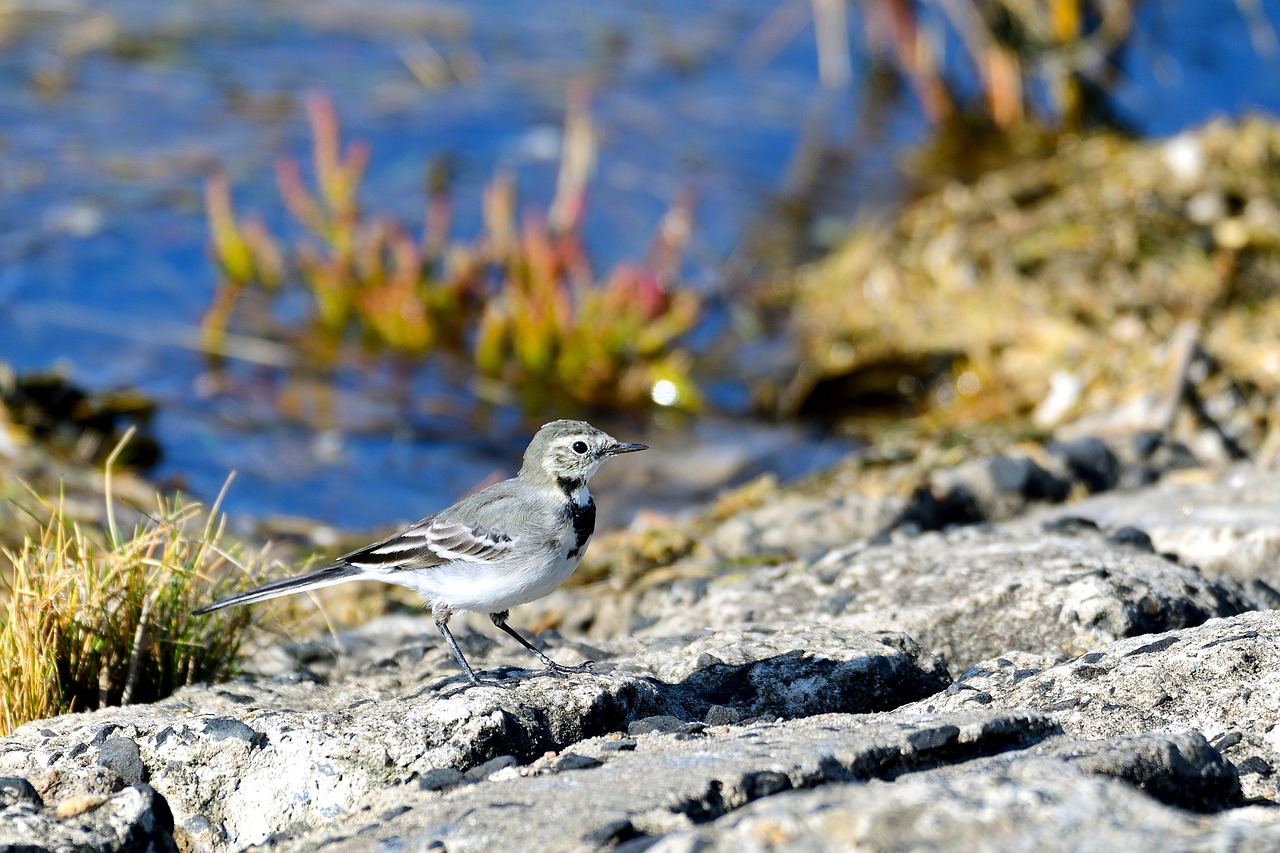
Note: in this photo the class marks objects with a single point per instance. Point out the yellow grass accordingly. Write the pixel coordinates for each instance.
(93, 617)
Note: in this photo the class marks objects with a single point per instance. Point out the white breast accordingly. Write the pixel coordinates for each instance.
(492, 587)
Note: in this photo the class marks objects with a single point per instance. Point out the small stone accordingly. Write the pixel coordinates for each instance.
(1133, 537)
(573, 761)
(1090, 460)
(721, 715)
(1070, 525)
(1021, 476)
(1255, 764)
(15, 790)
(493, 765)
(623, 745)
(440, 779)
(197, 824)
(1227, 740)
(120, 754)
(661, 724)
(224, 728)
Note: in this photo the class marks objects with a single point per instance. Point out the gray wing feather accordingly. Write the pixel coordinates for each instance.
(478, 528)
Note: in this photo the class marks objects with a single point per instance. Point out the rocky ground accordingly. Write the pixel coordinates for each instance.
(1090, 675)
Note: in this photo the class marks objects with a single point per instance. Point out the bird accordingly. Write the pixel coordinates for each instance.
(505, 545)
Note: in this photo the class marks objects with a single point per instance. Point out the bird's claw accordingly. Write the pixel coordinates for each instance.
(561, 669)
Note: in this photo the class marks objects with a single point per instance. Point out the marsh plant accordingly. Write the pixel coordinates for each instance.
(520, 301)
(92, 616)
(1052, 62)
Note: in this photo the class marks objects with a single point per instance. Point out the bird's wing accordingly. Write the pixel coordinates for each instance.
(431, 542)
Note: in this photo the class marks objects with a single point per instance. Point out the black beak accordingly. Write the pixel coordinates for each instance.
(624, 447)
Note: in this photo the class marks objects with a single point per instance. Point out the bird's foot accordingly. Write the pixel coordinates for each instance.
(554, 668)
(472, 684)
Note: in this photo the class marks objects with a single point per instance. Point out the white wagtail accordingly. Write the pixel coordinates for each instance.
(507, 544)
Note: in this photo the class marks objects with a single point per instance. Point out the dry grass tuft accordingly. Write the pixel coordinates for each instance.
(91, 617)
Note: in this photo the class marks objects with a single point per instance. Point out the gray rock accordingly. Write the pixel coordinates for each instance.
(1226, 524)
(987, 489)
(313, 756)
(791, 670)
(1023, 804)
(1022, 476)
(256, 757)
(1179, 769)
(968, 595)
(573, 761)
(483, 771)
(134, 820)
(121, 755)
(440, 778)
(662, 724)
(800, 525)
(721, 715)
(800, 706)
(996, 673)
(1221, 679)
(16, 791)
(1090, 460)
(673, 781)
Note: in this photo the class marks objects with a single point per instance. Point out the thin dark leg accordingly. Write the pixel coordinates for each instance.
(500, 620)
(443, 625)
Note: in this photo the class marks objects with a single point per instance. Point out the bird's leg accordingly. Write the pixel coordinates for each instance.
(500, 620)
(442, 615)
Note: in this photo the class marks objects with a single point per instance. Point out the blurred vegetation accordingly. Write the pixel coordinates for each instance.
(92, 617)
(54, 438)
(82, 425)
(520, 301)
(1065, 49)
(999, 81)
(1067, 287)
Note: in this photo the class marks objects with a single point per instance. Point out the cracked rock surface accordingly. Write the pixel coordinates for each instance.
(1221, 679)
(238, 763)
(1227, 525)
(1052, 682)
(1024, 803)
(969, 594)
(663, 783)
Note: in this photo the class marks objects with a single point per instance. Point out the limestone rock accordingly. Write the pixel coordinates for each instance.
(1221, 679)
(1025, 803)
(241, 762)
(1226, 523)
(968, 595)
(670, 782)
(787, 670)
(133, 820)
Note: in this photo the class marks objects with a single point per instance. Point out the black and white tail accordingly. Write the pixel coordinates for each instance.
(328, 576)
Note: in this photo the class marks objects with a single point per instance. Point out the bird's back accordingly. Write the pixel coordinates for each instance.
(510, 508)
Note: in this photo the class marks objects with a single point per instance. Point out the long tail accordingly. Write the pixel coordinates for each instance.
(328, 576)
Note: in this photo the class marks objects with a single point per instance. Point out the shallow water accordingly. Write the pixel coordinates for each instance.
(102, 237)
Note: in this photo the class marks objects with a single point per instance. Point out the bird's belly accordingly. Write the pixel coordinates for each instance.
(490, 589)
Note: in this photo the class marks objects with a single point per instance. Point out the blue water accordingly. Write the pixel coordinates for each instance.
(103, 268)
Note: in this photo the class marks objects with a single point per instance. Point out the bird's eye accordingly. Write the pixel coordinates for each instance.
(579, 447)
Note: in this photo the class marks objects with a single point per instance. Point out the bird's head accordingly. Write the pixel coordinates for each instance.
(569, 452)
